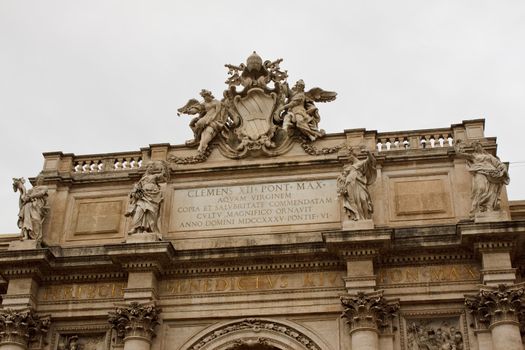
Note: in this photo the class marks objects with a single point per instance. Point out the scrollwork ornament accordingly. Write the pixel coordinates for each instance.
(22, 326)
(138, 320)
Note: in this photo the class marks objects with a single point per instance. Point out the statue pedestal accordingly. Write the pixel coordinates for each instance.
(491, 216)
(24, 245)
(355, 225)
(144, 237)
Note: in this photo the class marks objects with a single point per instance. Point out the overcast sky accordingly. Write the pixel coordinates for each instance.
(105, 76)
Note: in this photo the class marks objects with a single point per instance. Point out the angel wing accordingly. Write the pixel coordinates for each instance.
(317, 94)
(191, 107)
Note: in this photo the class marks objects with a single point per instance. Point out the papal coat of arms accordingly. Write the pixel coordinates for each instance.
(259, 113)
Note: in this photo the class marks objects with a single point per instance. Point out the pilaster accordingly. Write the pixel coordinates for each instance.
(496, 262)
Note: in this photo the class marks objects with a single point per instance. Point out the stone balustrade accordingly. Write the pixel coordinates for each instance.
(101, 163)
(415, 140)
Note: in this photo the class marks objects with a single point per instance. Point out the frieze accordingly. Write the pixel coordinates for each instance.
(426, 274)
(82, 291)
(252, 283)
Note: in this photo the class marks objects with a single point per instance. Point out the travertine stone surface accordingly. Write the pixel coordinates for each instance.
(257, 247)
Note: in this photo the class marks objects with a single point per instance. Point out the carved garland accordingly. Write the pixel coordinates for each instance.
(22, 326)
(198, 158)
(310, 149)
(256, 325)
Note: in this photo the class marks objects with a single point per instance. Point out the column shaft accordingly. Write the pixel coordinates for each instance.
(365, 339)
(136, 343)
(506, 336)
(12, 346)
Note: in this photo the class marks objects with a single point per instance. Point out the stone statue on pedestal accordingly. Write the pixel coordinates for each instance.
(353, 184)
(489, 174)
(33, 208)
(146, 198)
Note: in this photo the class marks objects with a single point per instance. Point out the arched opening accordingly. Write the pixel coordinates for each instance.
(255, 334)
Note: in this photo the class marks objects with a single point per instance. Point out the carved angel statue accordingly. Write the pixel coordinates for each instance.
(211, 119)
(146, 198)
(489, 174)
(301, 112)
(353, 184)
(33, 208)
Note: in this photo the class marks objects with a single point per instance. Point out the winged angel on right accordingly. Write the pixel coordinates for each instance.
(301, 112)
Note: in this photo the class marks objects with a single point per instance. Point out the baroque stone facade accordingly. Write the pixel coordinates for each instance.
(266, 233)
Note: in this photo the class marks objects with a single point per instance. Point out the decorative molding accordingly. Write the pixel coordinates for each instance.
(135, 320)
(291, 267)
(424, 259)
(117, 276)
(22, 327)
(369, 311)
(255, 325)
(483, 247)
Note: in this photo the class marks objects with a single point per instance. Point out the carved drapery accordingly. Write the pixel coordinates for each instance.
(496, 305)
(135, 320)
(369, 311)
(22, 327)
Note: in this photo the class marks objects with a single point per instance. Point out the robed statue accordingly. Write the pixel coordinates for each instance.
(353, 184)
(146, 198)
(489, 174)
(33, 208)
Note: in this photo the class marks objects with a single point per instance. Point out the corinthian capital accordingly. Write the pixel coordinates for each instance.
(497, 304)
(22, 326)
(135, 320)
(369, 310)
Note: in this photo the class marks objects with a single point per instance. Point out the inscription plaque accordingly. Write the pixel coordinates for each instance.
(255, 205)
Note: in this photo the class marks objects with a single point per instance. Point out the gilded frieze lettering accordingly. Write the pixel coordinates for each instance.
(425, 274)
(83, 291)
(252, 283)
